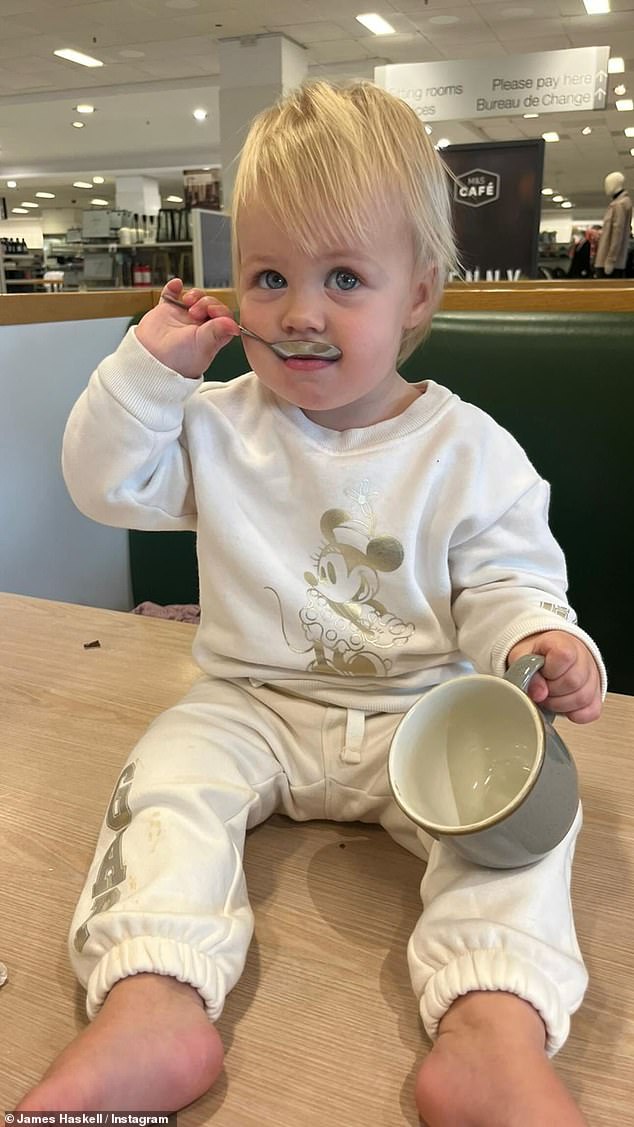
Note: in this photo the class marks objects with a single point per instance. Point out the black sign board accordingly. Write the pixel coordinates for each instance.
(496, 191)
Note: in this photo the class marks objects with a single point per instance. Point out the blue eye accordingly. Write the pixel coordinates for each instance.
(343, 280)
(271, 280)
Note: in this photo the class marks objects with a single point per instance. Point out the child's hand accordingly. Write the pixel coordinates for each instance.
(568, 682)
(186, 340)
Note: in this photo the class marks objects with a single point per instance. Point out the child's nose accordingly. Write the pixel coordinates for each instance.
(303, 313)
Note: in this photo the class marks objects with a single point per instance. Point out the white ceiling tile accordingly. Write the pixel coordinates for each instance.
(17, 7)
(415, 51)
(473, 50)
(503, 12)
(196, 48)
(517, 30)
(466, 19)
(27, 64)
(170, 68)
(418, 6)
(42, 45)
(535, 46)
(321, 31)
(15, 28)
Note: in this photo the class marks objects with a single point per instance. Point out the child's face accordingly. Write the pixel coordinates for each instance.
(358, 297)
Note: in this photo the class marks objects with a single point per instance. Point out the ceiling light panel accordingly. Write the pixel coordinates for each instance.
(73, 56)
(376, 24)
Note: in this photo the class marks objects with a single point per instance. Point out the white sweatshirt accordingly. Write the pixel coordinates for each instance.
(356, 567)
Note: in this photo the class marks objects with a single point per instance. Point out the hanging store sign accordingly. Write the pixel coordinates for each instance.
(548, 82)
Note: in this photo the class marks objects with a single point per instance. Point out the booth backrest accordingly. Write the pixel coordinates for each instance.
(563, 385)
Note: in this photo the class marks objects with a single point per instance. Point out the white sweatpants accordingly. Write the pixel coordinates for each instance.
(166, 890)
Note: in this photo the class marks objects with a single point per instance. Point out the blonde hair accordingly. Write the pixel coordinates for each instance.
(323, 158)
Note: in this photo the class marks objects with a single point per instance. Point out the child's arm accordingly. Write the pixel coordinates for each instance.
(124, 458)
(509, 583)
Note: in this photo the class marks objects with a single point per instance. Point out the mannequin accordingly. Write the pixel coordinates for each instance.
(613, 246)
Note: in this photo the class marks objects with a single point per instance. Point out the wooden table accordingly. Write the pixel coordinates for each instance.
(323, 1027)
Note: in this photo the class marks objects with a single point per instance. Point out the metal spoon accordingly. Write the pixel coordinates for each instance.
(286, 349)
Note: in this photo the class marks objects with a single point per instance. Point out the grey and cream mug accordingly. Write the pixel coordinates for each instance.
(475, 762)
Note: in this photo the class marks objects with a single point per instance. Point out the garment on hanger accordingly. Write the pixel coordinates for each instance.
(615, 235)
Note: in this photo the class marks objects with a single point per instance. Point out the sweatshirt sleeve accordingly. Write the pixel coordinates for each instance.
(124, 457)
(509, 581)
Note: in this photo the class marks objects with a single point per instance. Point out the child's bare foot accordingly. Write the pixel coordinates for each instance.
(488, 1068)
(150, 1048)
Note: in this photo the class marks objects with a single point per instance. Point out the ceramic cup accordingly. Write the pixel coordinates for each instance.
(476, 763)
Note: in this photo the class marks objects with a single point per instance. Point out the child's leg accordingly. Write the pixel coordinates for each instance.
(166, 901)
(488, 1068)
(494, 962)
(151, 1047)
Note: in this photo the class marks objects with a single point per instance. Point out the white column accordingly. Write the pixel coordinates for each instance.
(255, 71)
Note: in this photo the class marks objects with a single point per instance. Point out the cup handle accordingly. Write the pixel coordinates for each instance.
(522, 671)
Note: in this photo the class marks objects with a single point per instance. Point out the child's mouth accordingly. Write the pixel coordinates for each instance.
(307, 363)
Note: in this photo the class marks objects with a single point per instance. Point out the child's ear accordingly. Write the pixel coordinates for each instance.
(423, 288)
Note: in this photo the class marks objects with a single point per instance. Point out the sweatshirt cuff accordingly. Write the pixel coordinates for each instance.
(151, 392)
(496, 970)
(539, 623)
(154, 955)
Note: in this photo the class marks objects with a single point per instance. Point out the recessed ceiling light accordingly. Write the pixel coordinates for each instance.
(443, 21)
(376, 24)
(200, 115)
(629, 132)
(14, 183)
(632, 152)
(624, 104)
(566, 203)
(100, 203)
(45, 195)
(174, 199)
(531, 115)
(558, 199)
(586, 131)
(548, 191)
(27, 203)
(550, 137)
(428, 130)
(20, 210)
(81, 184)
(620, 89)
(78, 124)
(78, 57)
(442, 143)
(596, 7)
(85, 108)
(98, 180)
(616, 65)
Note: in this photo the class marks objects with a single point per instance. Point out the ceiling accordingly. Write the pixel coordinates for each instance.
(161, 63)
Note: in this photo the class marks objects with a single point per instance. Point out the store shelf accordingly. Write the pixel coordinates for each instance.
(70, 248)
(24, 282)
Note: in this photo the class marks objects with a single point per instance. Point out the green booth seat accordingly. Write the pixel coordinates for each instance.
(563, 385)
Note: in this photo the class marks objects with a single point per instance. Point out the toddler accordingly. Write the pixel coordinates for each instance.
(360, 539)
